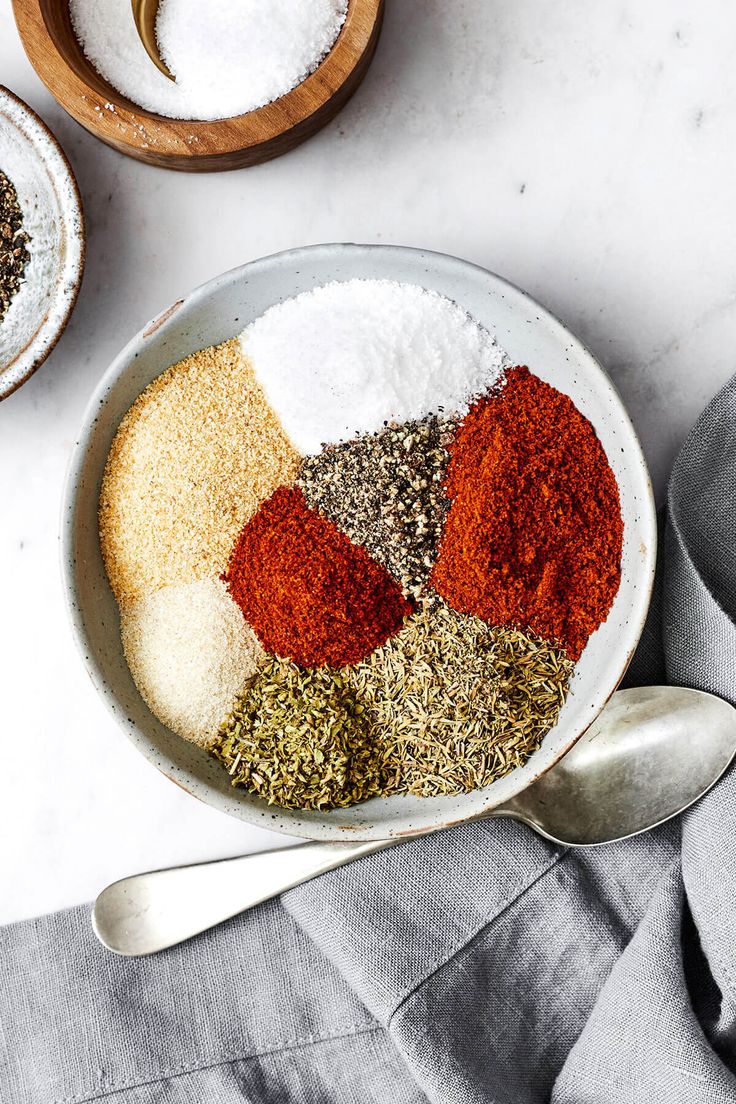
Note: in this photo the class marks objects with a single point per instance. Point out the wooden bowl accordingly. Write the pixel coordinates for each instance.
(193, 145)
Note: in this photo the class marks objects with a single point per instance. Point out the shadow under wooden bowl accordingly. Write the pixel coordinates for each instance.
(193, 145)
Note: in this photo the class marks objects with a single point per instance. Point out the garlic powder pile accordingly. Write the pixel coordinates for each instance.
(193, 458)
(228, 56)
(349, 358)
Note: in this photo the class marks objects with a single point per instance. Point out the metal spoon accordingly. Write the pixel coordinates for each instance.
(144, 14)
(650, 754)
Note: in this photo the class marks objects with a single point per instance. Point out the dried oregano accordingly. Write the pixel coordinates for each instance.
(299, 739)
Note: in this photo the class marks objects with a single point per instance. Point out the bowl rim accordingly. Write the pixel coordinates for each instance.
(292, 822)
(235, 133)
(46, 337)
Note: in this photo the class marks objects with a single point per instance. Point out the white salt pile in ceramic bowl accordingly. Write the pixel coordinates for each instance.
(350, 357)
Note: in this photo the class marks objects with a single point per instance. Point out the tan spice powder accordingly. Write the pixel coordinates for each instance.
(193, 458)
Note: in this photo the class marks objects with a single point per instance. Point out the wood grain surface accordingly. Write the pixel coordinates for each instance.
(195, 146)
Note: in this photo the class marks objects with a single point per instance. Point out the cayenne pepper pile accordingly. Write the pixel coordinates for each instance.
(309, 593)
(534, 533)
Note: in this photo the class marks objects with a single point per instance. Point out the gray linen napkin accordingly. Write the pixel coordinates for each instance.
(483, 964)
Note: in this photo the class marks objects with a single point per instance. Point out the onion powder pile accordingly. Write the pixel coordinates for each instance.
(228, 56)
(190, 652)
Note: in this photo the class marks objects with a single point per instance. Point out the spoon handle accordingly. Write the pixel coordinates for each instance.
(149, 912)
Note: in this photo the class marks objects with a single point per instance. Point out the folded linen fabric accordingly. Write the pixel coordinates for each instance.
(482, 964)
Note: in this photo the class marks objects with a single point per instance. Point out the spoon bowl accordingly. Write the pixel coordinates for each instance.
(144, 16)
(651, 753)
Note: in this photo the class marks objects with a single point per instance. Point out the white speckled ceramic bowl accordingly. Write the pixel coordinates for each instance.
(48, 195)
(220, 309)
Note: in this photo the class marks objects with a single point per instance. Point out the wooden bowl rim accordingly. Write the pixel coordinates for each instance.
(228, 135)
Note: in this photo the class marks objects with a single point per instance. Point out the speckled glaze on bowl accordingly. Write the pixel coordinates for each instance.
(220, 309)
(52, 212)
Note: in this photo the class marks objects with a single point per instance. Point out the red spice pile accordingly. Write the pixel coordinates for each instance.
(533, 537)
(309, 593)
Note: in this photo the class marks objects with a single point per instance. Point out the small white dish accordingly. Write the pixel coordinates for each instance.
(219, 310)
(36, 165)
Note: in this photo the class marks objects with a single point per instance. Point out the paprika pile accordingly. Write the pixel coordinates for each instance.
(309, 593)
(533, 535)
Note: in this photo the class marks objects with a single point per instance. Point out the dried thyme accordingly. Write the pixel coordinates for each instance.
(456, 703)
(14, 255)
(299, 739)
(384, 490)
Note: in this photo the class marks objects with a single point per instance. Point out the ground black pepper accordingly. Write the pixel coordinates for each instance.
(14, 255)
(385, 491)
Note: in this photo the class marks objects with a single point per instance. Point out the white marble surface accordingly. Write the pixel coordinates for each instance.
(584, 150)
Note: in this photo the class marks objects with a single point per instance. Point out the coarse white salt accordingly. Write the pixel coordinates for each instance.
(191, 652)
(228, 56)
(346, 358)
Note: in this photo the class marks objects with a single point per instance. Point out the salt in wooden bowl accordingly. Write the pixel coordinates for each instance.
(194, 145)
